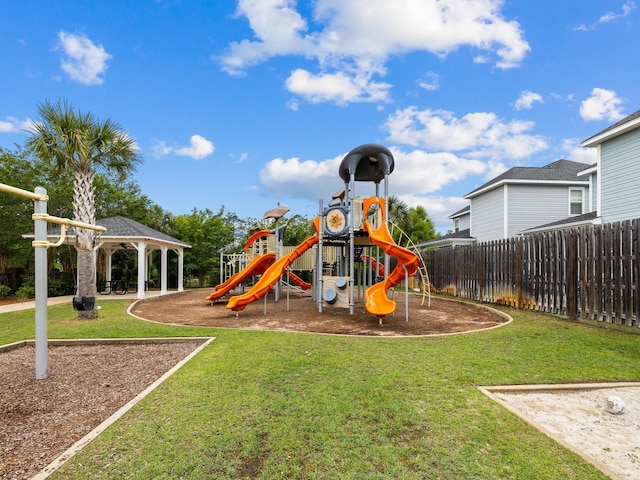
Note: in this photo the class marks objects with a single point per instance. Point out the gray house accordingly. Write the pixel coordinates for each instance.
(521, 200)
(560, 195)
(616, 176)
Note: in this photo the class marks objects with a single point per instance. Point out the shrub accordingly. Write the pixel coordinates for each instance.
(5, 290)
(27, 289)
(59, 287)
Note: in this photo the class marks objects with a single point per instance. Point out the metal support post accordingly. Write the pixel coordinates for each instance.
(41, 287)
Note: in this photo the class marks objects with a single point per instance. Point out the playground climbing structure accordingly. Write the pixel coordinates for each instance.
(354, 254)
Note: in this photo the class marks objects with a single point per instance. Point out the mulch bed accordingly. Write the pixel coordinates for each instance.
(300, 313)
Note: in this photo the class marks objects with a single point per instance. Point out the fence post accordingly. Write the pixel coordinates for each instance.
(572, 275)
(517, 267)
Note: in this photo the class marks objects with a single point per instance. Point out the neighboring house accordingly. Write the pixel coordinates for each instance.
(560, 195)
(520, 199)
(461, 219)
(524, 197)
(617, 173)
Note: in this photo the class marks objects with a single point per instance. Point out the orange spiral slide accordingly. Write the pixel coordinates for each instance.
(273, 273)
(376, 300)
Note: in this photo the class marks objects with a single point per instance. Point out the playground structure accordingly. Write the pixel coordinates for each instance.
(350, 254)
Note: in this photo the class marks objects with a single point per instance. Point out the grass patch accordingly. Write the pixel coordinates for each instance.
(276, 405)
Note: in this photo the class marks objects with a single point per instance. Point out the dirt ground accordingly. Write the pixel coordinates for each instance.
(300, 313)
(40, 419)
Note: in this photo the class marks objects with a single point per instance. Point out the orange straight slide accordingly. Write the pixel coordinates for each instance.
(273, 273)
(376, 300)
(257, 266)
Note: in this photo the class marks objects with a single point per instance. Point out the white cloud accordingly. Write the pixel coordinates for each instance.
(430, 81)
(199, 148)
(627, 8)
(84, 61)
(480, 135)
(608, 17)
(337, 87)
(13, 125)
(309, 179)
(573, 151)
(421, 173)
(438, 208)
(354, 40)
(424, 172)
(527, 99)
(602, 104)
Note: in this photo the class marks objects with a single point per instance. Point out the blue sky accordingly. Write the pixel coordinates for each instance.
(252, 103)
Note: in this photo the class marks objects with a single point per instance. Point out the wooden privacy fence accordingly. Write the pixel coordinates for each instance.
(589, 272)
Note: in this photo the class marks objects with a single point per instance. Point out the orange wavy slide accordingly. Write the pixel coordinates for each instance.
(376, 300)
(257, 266)
(273, 273)
(299, 282)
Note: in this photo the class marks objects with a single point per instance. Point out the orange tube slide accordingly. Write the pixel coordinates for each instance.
(376, 300)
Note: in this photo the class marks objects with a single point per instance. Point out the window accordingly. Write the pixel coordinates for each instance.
(576, 201)
(456, 224)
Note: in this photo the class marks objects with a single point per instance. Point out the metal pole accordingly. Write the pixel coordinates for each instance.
(406, 293)
(40, 251)
(351, 245)
(288, 285)
(221, 267)
(319, 257)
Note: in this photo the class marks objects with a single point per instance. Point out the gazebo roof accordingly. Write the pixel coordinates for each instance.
(122, 229)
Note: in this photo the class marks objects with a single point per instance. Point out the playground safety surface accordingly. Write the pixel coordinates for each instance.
(300, 314)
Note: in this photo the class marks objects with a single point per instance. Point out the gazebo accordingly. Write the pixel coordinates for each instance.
(123, 233)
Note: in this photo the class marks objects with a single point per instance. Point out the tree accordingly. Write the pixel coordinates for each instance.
(298, 228)
(398, 212)
(208, 234)
(413, 221)
(422, 228)
(82, 144)
(15, 212)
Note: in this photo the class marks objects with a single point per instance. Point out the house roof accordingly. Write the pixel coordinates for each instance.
(628, 123)
(461, 212)
(461, 237)
(560, 171)
(574, 221)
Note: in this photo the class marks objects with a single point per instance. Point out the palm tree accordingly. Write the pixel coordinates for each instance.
(80, 143)
(398, 212)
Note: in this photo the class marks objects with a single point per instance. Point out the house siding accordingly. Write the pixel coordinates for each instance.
(593, 186)
(533, 205)
(465, 221)
(487, 214)
(620, 194)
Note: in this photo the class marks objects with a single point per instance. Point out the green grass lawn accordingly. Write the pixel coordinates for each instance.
(276, 405)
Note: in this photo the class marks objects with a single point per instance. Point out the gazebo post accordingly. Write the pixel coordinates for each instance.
(142, 268)
(163, 270)
(109, 265)
(180, 270)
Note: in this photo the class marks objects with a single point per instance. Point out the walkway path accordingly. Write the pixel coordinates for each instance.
(14, 307)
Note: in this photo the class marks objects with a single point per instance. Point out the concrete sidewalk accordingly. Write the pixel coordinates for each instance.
(14, 307)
